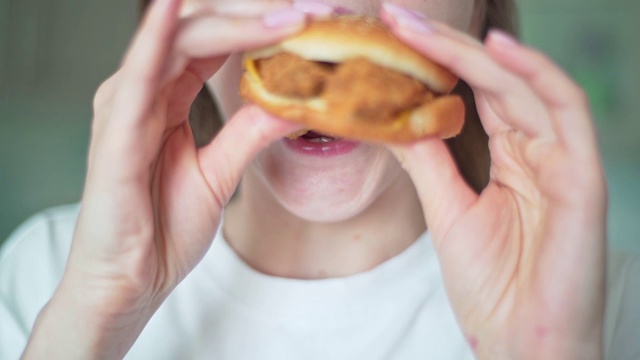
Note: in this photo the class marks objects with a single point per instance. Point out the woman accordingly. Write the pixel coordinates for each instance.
(317, 256)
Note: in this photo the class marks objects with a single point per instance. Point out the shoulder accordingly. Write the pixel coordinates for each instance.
(622, 321)
(32, 261)
(45, 234)
(623, 276)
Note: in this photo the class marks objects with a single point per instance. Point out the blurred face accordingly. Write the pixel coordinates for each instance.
(335, 180)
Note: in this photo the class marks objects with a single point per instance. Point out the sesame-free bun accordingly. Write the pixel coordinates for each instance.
(349, 37)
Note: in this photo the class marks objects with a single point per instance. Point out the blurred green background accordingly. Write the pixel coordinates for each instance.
(54, 54)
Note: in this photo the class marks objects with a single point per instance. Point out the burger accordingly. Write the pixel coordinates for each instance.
(349, 77)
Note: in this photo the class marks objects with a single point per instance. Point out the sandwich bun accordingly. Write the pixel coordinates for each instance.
(354, 106)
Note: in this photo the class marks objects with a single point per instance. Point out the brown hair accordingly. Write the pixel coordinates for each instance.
(470, 149)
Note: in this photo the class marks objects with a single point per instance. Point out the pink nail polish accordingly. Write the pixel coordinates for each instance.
(341, 10)
(283, 18)
(408, 19)
(398, 10)
(501, 37)
(313, 7)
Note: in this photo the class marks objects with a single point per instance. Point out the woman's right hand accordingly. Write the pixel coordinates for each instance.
(152, 201)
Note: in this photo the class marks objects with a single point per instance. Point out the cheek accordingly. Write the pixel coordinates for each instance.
(456, 13)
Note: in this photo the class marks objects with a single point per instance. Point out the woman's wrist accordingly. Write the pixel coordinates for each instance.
(70, 327)
(542, 347)
(560, 350)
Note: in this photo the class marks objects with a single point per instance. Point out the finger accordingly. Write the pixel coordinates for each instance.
(212, 37)
(567, 102)
(427, 35)
(144, 62)
(122, 114)
(248, 132)
(443, 193)
(397, 14)
(314, 9)
(466, 57)
(183, 94)
(231, 8)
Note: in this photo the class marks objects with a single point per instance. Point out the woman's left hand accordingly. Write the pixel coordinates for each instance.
(524, 261)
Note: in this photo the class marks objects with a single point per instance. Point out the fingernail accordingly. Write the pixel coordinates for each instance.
(188, 8)
(408, 19)
(313, 7)
(398, 10)
(284, 18)
(501, 37)
(341, 10)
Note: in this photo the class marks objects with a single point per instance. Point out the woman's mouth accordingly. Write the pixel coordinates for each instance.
(318, 144)
(315, 137)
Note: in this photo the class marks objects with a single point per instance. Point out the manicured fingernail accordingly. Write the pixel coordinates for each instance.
(502, 38)
(284, 18)
(188, 8)
(313, 7)
(408, 19)
(398, 10)
(341, 10)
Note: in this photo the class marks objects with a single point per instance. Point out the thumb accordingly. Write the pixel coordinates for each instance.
(248, 132)
(443, 193)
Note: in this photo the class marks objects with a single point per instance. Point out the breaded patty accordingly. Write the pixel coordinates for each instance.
(355, 86)
(293, 76)
(371, 92)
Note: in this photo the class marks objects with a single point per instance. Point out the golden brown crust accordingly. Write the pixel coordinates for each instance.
(442, 117)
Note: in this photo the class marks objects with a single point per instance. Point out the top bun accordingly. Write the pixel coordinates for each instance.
(338, 39)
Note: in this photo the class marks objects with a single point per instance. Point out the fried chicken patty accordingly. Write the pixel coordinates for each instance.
(292, 76)
(371, 92)
(356, 86)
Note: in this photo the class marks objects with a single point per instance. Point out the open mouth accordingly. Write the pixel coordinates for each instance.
(310, 142)
(318, 138)
(313, 137)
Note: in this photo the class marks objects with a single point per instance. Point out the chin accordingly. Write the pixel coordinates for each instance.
(323, 211)
(326, 189)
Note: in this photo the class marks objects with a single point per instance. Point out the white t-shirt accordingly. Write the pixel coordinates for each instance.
(226, 310)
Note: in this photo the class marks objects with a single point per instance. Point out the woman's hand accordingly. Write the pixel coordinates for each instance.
(152, 201)
(524, 261)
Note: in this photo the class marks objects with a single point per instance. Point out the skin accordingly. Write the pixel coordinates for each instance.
(523, 262)
(313, 224)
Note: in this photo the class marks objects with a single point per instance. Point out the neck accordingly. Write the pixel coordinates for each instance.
(281, 244)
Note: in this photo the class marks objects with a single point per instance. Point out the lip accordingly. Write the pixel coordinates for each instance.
(330, 149)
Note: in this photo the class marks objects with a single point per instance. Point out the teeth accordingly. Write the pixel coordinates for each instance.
(322, 139)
